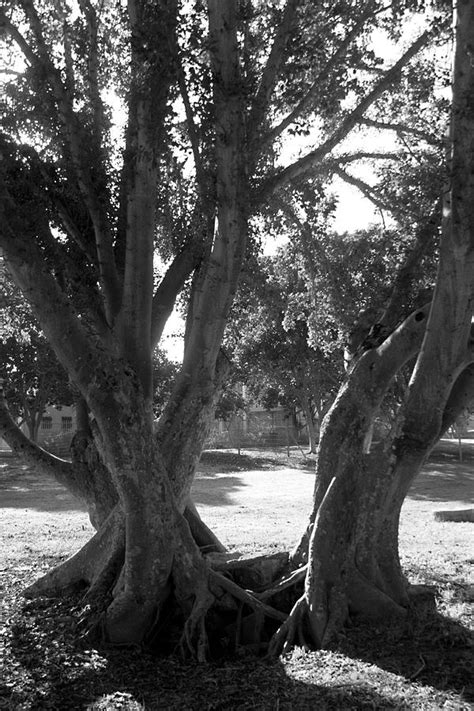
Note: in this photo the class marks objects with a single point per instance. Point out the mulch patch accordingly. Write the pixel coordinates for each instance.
(46, 666)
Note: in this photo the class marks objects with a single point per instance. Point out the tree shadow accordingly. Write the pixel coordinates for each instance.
(444, 481)
(223, 460)
(56, 673)
(213, 489)
(429, 647)
(22, 488)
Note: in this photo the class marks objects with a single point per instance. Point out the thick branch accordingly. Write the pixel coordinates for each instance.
(170, 286)
(60, 324)
(93, 190)
(152, 75)
(47, 463)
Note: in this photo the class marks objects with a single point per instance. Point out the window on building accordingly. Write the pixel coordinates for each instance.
(47, 423)
(66, 424)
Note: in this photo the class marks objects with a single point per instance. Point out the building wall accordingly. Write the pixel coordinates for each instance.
(57, 421)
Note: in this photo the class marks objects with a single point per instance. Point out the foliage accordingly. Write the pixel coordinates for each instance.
(231, 402)
(164, 376)
(33, 378)
(271, 341)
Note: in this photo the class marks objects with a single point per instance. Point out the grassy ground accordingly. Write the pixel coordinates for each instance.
(257, 502)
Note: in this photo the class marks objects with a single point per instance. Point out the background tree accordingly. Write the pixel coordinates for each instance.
(211, 93)
(271, 342)
(33, 378)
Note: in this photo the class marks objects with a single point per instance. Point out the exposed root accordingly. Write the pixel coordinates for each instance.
(369, 601)
(290, 633)
(287, 582)
(191, 580)
(246, 597)
(194, 638)
(202, 534)
(128, 620)
(85, 565)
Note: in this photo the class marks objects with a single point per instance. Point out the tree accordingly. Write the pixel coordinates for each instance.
(33, 378)
(353, 562)
(272, 346)
(83, 214)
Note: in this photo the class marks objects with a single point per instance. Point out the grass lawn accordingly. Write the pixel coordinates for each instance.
(256, 503)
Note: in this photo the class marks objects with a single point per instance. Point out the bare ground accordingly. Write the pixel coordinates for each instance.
(258, 502)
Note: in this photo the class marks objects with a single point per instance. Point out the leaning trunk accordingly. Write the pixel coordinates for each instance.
(353, 561)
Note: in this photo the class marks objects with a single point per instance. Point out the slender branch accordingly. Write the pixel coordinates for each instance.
(401, 129)
(272, 67)
(366, 155)
(93, 68)
(308, 239)
(307, 100)
(368, 192)
(310, 160)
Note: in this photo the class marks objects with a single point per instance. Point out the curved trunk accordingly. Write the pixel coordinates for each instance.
(353, 560)
(343, 571)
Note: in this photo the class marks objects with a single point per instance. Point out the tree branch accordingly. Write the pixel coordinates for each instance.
(367, 191)
(29, 451)
(272, 67)
(93, 190)
(170, 286)
(93, 69)
(149, 95)
(310, 160)
(305, 103)
(58, 320)
(192, 130)
(401, 129)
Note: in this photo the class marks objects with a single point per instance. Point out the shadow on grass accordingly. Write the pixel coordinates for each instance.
(444, 480)
(212, 489)
(59, 675)
(232, 461)
(22, 488)
(429, 647)
(49, 669)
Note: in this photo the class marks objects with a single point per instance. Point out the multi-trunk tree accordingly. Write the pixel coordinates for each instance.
(211, 92)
